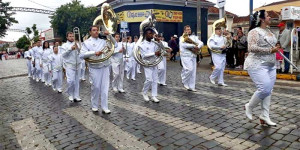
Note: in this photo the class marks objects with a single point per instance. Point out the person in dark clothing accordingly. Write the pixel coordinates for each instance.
(230, 52)
(174, 45)
(242, 49)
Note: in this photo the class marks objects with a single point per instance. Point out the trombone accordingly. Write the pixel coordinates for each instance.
(77, 40)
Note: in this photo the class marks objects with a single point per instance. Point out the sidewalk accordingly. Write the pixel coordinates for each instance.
(13, 67)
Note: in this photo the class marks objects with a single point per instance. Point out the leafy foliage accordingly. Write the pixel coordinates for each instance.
(73, 15)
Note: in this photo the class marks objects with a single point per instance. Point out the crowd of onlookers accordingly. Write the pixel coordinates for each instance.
(11, 55)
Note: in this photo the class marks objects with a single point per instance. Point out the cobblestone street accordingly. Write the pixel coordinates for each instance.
(33, 116)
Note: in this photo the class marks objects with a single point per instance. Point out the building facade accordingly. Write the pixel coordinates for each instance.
(171, 15)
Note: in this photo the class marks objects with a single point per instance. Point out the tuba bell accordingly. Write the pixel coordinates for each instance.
(106, 21)
(148, 23)
(220, 23)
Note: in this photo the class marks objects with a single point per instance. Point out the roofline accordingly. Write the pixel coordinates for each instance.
(191, 4)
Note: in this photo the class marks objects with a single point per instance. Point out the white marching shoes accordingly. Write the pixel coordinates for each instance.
(264, 117)
(252, 103)
(155, 99)
(146, 98)
(212, 81)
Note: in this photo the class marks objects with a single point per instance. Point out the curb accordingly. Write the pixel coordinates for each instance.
(245, 73)
(19, 75)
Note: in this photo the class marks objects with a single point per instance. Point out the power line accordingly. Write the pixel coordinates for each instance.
(40, 4)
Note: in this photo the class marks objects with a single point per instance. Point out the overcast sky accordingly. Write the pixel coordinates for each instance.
(27, 19)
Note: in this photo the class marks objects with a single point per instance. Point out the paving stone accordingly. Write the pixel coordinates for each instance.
(211, 118)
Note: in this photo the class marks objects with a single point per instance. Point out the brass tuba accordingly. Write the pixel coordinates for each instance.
(148, 23)
(106, 21)
(220, 23)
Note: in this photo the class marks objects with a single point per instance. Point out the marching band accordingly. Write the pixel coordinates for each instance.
(48, 64)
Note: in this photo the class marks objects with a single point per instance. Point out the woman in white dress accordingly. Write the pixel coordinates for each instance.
(260, 65)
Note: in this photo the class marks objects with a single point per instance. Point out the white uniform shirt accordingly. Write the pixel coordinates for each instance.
(38, 52)
(117, 57)
(46, 53)
(129, 52)
(148, 50)
(184, 47)
(216, 42)
(56, 62)
(31, 54)
(27, 54)
(165, 44)
(90, 47)
(70, 57)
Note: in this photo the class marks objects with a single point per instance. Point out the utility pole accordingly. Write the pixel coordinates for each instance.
(251, 10)
(221, 5)
(199, 19)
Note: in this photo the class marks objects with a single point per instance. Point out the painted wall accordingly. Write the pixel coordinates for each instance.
(169, 29)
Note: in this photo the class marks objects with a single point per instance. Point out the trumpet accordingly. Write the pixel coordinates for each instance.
(77, 38)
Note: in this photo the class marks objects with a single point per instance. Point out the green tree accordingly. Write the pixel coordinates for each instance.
(23, 43)
(34, 31)
(6, 18)
(71, 15)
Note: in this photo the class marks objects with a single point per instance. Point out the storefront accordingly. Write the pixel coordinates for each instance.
(171, 15)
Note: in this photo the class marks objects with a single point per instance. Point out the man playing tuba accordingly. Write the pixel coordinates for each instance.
(188, 54)
(217, 44)
(99, 72)
(148, 53)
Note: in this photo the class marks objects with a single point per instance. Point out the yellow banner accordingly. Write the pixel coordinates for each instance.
(141, 15)
(168, 15)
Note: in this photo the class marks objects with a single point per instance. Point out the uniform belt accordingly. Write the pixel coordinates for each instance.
(216, 51)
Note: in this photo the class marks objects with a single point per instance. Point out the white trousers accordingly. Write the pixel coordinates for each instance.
(100, 86)
(162, 71)
(118, 75)
(82, 72)
(264, 79)
(151, 80)
(38, 70)
(219, 61)
(57, 78)
(138, 68)
(29, 68)
(73, 82)
(188, 74)
(32, 70)
(131, 69)
(46, 73)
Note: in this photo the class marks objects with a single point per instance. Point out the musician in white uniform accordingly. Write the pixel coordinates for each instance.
(260, 65)
(37, 54)
(217, 44)
(189, 59)
(82, 70)
(71, 63)
(99, 72)
(149, 53)
(46, 64)
(162, 66)
(118, 66)
(56, 66)
(138, 66)
(31, 53)
(28, 56)
(130, 74)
